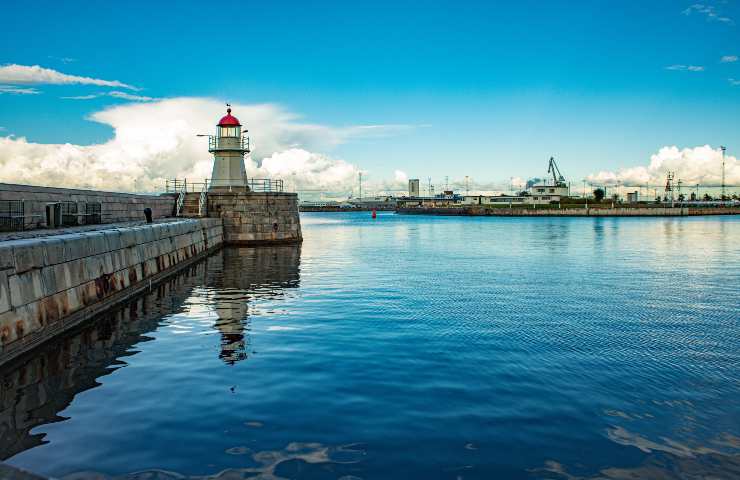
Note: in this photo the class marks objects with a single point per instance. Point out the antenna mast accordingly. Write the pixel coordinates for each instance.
(669, 185)
(723, 148)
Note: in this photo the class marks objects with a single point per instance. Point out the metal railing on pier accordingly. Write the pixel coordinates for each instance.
(176, 186)
(265, 185)
(255, 185)
(12, 215)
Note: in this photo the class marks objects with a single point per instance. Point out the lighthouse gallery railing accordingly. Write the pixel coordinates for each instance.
(228, 143)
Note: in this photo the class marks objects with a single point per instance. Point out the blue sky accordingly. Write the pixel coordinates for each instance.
(490, 90)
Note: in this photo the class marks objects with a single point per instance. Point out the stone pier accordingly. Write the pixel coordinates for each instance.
(256, 218)
(53, 283)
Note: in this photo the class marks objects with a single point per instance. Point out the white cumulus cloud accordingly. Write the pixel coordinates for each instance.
(702, 165)
(304, 170)
(729, 59)
(36, 74)
(156, 141)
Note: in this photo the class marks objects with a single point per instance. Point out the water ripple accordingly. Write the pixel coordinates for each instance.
(450, 347)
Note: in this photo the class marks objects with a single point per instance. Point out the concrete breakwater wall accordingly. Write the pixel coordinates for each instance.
(53, 283)
(254, 218)
(332, 208)
(573, 212)
(583, 212)
(115, 207)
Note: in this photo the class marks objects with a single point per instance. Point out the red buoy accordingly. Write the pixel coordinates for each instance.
(375, 214)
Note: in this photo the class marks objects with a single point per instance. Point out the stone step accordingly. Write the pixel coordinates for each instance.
(190, 205)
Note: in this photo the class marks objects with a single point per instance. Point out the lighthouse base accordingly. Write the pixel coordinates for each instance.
(256, 218)
(227, 189)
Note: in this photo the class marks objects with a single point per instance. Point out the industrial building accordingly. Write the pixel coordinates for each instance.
(413, 187)
(449, 199)
(558, 187)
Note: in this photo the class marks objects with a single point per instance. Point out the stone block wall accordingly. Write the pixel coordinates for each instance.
(714, 210)
(115, 207)
(49, 284)
(255, 218)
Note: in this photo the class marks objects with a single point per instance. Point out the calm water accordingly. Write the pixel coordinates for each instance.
(408, 347)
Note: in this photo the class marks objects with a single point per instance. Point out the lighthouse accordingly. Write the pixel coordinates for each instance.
(228, 147)
(253, 212)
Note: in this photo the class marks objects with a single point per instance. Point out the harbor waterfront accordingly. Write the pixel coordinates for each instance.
(406, 346)
(355, 241)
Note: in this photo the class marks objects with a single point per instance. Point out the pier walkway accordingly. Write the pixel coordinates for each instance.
(52, 280)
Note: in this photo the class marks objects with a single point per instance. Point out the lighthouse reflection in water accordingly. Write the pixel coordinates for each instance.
(218, 293)
(263, 272)
(239, 274)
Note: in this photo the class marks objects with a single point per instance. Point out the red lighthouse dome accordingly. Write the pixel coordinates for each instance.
(229, 120)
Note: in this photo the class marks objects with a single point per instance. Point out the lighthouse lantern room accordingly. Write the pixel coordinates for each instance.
(228, 147)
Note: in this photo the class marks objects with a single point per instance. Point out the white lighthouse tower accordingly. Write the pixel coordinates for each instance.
(228, 147)
(257, 212)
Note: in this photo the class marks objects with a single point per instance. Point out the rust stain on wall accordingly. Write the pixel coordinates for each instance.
(19, 329)
(64, 300)
(4, 334)
(132, 275)
(48, 311)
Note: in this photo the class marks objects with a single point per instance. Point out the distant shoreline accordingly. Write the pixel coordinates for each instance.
(601, 211)
(573, 212)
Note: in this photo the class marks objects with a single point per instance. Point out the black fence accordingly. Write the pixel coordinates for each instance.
(69, 214)
(12, 215)
(92, 213)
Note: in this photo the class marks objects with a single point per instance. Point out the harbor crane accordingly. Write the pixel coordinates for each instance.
(557, 177)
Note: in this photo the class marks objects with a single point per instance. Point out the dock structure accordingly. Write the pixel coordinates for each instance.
(571, 212)
(68, 254)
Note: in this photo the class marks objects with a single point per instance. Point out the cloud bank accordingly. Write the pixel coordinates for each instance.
(702, 165)
(36, 74)
(156, 141)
